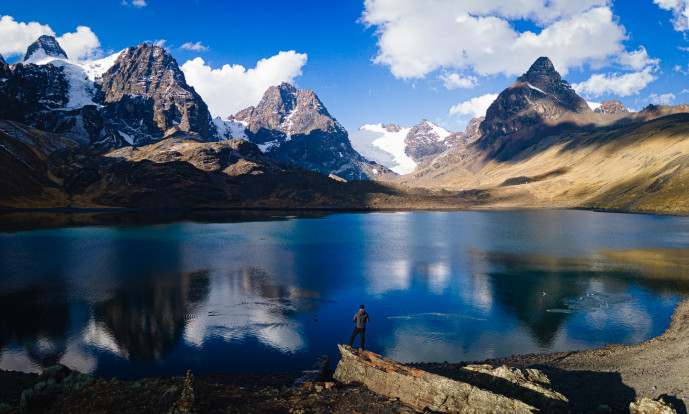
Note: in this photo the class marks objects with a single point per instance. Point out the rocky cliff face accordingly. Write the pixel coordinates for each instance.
(27, 92)
(145, 94)
(294, 126)
(537, 96)
(611, 107)
(471, 134)
(425, 139)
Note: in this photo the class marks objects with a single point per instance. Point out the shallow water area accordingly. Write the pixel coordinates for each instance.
(150, 294)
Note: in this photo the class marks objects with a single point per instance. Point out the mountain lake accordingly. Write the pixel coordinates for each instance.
(142, 294)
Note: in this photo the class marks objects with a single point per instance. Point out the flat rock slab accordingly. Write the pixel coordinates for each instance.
(483, 389)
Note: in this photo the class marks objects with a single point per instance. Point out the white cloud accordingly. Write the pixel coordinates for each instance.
(465, 35)
(135, 3)
(665, 99)
(82, 44)
(197, 47)
(474, 107)
(455, 81)
(616, 84)
(637, 60)
(232, 87)
(160, 43)
(680, 12)
(17, 36)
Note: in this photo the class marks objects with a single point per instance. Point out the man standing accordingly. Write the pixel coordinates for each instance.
(360, 318)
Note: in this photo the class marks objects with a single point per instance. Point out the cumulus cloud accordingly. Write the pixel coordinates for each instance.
(615, 83)
(17, 36)
(474, 107)
(197, 47)
(455, 81)
(82, 44)
(415, 39)
(665, 99)
(680, 12)
(233, 87)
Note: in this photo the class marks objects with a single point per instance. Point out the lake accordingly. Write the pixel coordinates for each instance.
(144, 295)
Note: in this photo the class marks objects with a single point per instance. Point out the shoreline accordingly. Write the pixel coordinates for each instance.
(615, 375)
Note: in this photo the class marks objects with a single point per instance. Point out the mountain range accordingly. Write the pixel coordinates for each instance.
(128, 131)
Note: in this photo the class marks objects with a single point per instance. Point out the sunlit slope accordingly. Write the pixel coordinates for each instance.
(641, 166)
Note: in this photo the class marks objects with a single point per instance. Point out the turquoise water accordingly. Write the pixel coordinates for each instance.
(270, 294)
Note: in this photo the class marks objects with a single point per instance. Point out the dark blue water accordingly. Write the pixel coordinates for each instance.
(270, 294)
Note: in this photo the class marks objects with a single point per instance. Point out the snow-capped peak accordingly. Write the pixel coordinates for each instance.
(44, 46)
(81, 74)
(383, 145)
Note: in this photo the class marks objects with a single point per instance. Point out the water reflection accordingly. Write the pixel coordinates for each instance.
(271, 294)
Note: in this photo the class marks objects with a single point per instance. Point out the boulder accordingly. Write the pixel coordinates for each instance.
(649, 406)
(486, 390)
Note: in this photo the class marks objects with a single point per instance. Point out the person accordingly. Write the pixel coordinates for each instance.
(361, 318)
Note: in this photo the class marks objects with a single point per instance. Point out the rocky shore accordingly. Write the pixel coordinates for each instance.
(594, 381)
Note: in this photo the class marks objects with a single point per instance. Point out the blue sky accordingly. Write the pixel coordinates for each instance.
(389, 61)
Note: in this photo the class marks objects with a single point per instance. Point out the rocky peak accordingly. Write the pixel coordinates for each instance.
(2, 59)
(293, 125)
(537, 96)
(425, 139)
(541, 72)
(47, 45)
(471, 134)
(611, 107)
(392, 128)
(289, 111)
(147, 94)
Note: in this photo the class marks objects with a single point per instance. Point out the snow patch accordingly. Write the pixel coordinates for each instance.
(80, 74)
(267, 146)
(230, 129)
(375, 143)
(593, 105)
(439, 131)
(535, 88)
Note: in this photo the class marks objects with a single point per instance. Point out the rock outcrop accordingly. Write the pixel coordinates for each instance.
(648, 406)
(470, 134)
(611, 107)
(145, 94)
(294, 126)
(482, 390)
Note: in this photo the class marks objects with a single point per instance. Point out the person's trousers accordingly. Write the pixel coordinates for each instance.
(356, 332)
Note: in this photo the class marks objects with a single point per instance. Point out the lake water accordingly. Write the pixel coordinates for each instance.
(269, 294)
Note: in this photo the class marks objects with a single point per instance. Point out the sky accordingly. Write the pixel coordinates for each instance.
(381, 61)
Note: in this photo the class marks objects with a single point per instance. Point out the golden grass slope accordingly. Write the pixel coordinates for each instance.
(638, 166)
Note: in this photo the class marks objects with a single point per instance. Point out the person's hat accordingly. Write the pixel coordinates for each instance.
(361, 306)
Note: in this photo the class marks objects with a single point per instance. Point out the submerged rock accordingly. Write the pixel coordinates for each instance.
(486, 390)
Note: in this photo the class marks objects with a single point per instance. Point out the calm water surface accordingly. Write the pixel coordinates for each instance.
(270, 294)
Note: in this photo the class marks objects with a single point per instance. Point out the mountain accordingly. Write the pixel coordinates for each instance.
(541, 146)
(425, 139)
(44, 46)
(404, 149)
(145, 96)
(611, 107)
(385, 145)
(294, 126)
(539, 96)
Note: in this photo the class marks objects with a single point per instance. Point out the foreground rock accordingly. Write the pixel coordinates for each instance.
(482, 390)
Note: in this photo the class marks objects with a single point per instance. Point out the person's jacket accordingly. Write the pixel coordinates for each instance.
(361, 318)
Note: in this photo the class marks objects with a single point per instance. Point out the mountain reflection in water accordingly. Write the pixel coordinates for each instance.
(269, 294)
